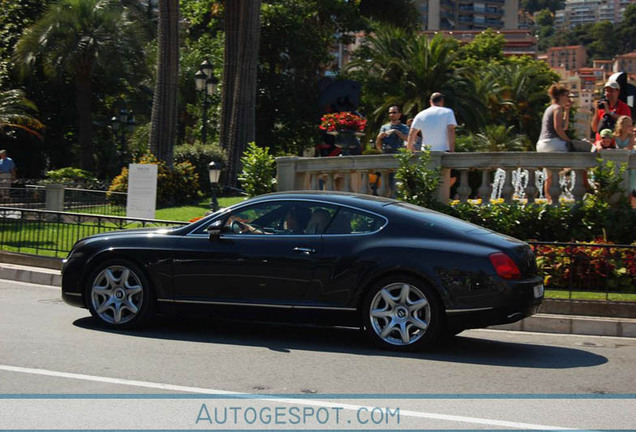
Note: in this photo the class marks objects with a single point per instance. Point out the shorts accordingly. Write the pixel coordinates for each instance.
(551, 145)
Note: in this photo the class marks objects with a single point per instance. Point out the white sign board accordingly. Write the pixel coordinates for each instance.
(142, 191)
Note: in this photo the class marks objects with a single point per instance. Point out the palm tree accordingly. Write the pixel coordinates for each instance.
(408, 67)
(238, 117)
(77, 41)
(497, 138)
(163, 129)
(15, 112)
(516, 95)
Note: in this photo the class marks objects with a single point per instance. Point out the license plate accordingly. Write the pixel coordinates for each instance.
(538, 291)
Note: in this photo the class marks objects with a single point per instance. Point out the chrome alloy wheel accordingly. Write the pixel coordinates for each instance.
(117, 294)
(400, 314)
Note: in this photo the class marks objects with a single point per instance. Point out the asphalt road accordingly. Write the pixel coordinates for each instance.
(49, 348)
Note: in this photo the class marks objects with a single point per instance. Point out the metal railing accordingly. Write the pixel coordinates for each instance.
(33, 197)
(609, 269)
(95, 201)
(69, 199)
(49, 233)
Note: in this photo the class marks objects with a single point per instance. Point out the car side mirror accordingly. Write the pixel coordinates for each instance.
(214, 229)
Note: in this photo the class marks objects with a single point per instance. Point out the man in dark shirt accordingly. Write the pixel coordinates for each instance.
(392, 135)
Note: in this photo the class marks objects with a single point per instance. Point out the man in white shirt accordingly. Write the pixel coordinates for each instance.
(437, 124)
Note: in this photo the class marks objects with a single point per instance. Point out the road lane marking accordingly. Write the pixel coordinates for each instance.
(199, 390)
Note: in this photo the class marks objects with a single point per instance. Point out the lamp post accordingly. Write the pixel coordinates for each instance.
(206, 84)
(214, 171)
(124, 122)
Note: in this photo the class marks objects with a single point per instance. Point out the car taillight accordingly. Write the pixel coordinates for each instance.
(505, 266)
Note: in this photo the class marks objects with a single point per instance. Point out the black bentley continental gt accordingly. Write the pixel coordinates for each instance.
(406, 274)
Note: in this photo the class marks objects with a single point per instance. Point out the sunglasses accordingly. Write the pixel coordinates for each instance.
(393, 112)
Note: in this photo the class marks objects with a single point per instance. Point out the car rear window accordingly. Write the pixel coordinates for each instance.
(436, 220)
(350, 221)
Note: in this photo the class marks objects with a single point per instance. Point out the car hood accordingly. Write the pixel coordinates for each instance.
(136, 232)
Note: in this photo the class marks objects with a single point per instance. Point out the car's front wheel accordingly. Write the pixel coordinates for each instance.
(119, 295)
(402, 313)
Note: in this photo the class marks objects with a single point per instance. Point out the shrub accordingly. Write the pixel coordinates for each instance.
(200, 155)
(581, 222)
(176, 186)
(72, 177)
(259, 171)
(416, 181)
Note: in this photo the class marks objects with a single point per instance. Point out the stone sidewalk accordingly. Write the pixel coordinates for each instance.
(542, 323)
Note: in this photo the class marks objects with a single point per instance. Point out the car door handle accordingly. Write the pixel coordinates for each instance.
(304, 251)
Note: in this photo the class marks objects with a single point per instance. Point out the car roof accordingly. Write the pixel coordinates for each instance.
(347, 198)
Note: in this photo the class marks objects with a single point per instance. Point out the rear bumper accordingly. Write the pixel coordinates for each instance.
(510, 302)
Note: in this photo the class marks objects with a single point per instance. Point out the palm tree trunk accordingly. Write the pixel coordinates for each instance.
(85, 121)
(238, 119)
(163, 129)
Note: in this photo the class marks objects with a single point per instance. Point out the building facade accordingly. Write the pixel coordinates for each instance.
(626, 63)
(468, 14)
(570, 58)
(577, 12)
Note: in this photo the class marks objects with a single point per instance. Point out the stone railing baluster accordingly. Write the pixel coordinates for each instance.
(484, 188)
(463, 191)
(352, 172)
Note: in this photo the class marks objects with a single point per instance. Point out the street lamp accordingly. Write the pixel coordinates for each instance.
(206, 84)
(122, 124)
(214, 171)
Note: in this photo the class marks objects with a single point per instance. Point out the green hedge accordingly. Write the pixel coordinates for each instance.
(200, 156)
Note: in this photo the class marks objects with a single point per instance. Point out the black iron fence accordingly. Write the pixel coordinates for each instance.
(50, 233)
(581, 268)
(95, 201)
(62, 198)
(30, 197)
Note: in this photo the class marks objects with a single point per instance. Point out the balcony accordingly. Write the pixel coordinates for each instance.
(351, 173)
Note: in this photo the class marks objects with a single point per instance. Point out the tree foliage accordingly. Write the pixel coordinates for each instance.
(398, 67)
(76, 41)
(602, 39)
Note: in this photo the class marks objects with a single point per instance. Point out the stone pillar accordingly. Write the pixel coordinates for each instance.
(286, 173)
(55, 197)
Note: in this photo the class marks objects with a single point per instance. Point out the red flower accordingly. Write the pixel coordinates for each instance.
(342, 121)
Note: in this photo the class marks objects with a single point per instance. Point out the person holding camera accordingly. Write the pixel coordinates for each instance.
(609, 109)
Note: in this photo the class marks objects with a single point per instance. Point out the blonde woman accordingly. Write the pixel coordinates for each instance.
(624, 133)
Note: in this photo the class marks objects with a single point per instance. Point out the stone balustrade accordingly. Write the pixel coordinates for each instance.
(353, 173)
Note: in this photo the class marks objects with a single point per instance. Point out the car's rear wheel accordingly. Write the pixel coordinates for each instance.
(402, 313)
(119, 295)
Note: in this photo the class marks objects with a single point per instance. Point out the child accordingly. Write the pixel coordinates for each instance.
(624, 133)
(606, 142)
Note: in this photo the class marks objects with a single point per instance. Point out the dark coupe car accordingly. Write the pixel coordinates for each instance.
(406, 274)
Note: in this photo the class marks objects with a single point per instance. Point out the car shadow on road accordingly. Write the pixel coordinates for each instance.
(285, 338)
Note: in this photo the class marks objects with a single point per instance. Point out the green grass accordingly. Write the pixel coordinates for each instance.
(200, 209)
(587, 295)
(51, 239)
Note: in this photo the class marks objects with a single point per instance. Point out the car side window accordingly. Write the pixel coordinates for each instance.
(349, 221)
(262, 218)
(320, 219)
